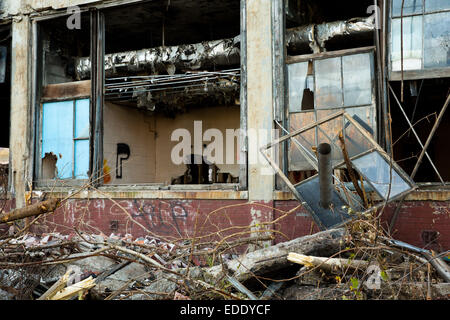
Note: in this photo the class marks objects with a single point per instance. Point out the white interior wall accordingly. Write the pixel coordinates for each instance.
(149, 138)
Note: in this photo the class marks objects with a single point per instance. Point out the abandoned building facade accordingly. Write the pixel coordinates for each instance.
(99, 97)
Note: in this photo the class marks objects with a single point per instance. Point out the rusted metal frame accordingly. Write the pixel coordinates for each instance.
(328, 54)
(35, 115)
(379, 149)
(385, 74)
(415, 133)
(411, 74)
(57, 13)
(312, 160)
(243, 157)
(419, 161)
(306, 128)
(378, 81)
(279, 76)
(97, 99)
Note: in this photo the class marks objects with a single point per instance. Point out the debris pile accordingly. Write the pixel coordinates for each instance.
(353, 262)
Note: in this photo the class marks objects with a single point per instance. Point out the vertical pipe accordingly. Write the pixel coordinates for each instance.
(325, 175)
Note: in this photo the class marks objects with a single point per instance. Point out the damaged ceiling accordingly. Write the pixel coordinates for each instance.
(181, 22)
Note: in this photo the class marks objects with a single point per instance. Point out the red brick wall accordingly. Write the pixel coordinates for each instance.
(417, 221)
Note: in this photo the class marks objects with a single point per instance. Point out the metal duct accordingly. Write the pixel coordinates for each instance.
(316, 36)
(167, 59)
(218, 52)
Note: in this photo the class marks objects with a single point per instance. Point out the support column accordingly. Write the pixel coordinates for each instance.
(259, 96)
(20, 105)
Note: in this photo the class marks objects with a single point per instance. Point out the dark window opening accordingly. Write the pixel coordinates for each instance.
(423, 101)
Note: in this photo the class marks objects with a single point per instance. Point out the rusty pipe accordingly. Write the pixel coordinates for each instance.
(325, 175)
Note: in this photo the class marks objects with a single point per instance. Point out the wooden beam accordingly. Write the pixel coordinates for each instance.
(68, 90)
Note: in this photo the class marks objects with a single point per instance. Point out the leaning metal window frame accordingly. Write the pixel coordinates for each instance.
(97, 103)
(439, 72)
(310, 58)
(375, 147)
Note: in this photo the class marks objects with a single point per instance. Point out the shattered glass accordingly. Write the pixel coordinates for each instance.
(376, 170)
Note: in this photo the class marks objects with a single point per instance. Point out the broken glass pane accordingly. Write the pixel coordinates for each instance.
(409, 7)
(57, 135)
(412, 43)
(328, 132)
(357, 72)
(436, 5)
(328, 83)
(437, 40)
(82, 118)
(305, 140)
(81, 159)
(365, 116)
(376, 170)
(355, 142)
(297, 74)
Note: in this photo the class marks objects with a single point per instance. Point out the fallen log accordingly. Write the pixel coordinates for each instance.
(325, 243)
(30, 211)
(329, 264)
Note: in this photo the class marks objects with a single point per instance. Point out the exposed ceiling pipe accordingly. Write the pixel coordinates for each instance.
(219, 53)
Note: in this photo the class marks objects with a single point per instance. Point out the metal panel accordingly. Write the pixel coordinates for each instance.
(325, 218)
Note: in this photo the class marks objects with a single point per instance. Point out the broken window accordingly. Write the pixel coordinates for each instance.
(349, 147)
(426, 35)
(329, 84)
(169, 69)
(62, 100)
(65, 139)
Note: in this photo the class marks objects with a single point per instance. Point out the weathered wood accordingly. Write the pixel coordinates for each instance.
(57, 286)
(30, 211)
(325, 243)
(330, 264)
(69, 90)
(78, 289)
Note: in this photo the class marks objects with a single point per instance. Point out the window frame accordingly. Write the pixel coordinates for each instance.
(97, 41)
(329, 55)
(428, 73)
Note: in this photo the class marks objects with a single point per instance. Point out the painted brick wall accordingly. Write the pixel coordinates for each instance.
(418, 221)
